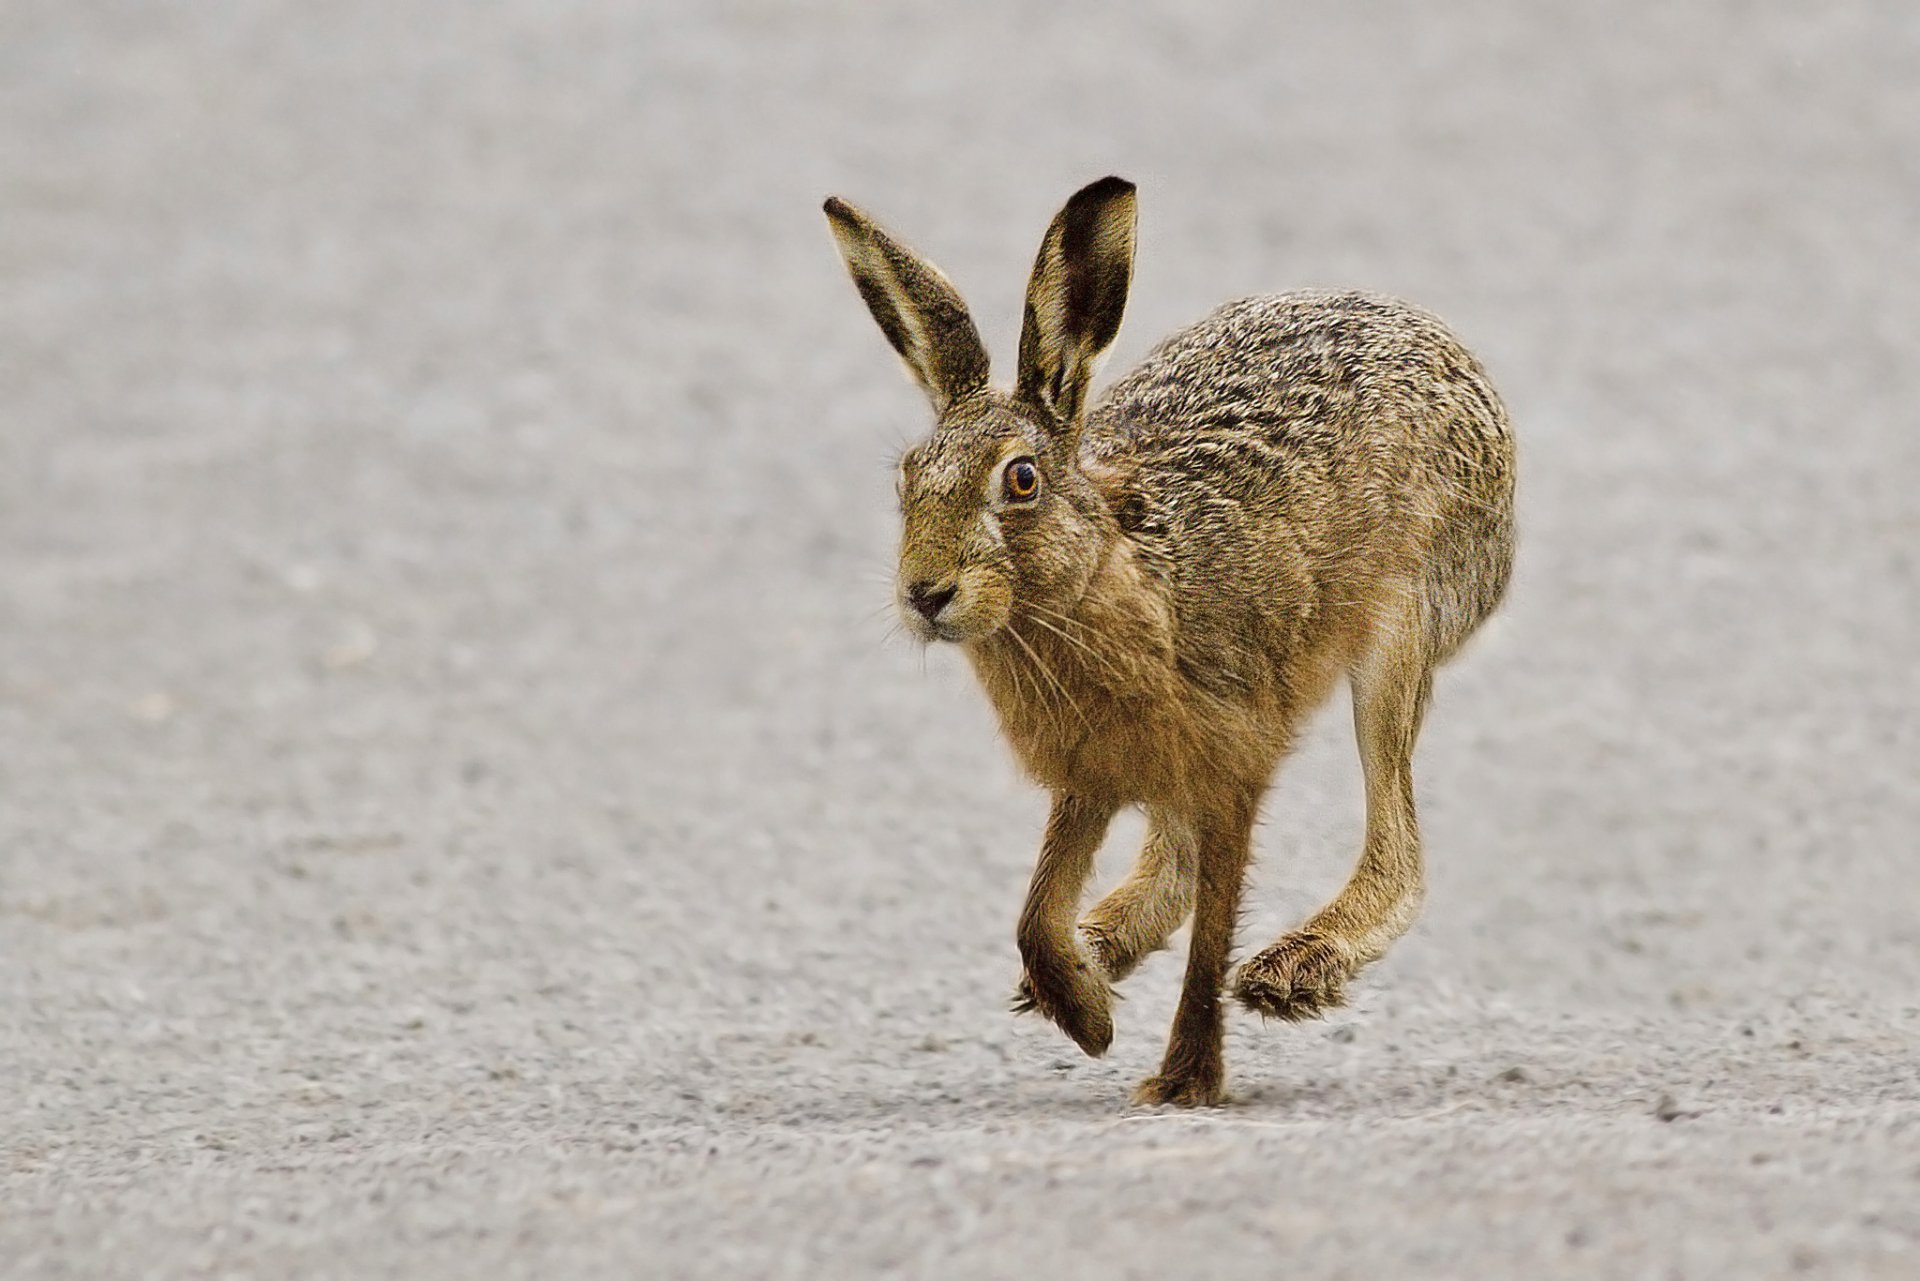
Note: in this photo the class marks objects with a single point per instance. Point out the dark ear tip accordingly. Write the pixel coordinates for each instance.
(1107, 188)
(837, 209)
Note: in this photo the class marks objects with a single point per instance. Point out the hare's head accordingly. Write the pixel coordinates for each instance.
(998, 517)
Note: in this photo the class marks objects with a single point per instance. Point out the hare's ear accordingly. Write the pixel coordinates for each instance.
(1075, 298)
(917, 308)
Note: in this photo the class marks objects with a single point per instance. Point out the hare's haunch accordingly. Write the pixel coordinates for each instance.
(1157, 588)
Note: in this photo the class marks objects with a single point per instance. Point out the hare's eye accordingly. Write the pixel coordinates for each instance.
(1023, 480)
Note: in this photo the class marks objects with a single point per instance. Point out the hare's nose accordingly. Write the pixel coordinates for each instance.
(930, 599)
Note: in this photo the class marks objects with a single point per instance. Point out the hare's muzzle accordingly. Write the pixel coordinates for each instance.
(941, 603)
(929, 598)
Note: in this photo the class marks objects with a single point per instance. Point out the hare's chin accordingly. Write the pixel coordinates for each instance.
(954, 634)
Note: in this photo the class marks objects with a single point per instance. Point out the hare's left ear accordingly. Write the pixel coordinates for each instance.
(1075, 299)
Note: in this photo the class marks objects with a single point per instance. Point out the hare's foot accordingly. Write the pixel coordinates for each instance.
(1072, 993)
(1136, 917)
(1198, 1090)
(1063, 981)
(1300, 977)
(1115, 960)
(1095, 949)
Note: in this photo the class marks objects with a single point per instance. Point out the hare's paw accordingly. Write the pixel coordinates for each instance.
(1094, 949)
(1301, 977)
(1097, 942)
(1203, 1090)
(1073, 994)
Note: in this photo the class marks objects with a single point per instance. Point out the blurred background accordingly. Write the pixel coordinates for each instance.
(461, 805)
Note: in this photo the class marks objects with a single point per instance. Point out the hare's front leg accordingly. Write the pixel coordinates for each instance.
(1139, 914)
(1064, 983)
(1304, 972)
(1194, 1073)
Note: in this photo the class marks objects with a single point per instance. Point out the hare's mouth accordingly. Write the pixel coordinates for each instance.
(953, 627)
(929, 630)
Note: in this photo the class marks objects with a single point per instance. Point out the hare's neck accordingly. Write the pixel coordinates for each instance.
(1040, 692)
(1059, 675)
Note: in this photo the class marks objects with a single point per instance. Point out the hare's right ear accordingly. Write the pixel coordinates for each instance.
(917, 308)
(1075, 299)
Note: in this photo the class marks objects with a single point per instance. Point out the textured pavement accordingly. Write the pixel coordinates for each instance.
(463, 812)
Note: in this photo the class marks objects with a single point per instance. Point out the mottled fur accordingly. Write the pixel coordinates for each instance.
(1298, 488)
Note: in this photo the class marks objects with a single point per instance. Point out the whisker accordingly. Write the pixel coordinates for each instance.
(1024, 682)
(1085, 648)
(1048, 673)
(1041, 695)
(1039, 614)
(1058, 616)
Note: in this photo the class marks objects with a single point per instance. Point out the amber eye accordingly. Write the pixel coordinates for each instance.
(1023, 480)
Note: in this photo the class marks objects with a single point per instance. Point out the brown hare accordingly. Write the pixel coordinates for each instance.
(1158, 588)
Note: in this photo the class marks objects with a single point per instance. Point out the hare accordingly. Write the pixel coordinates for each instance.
(1156, 590)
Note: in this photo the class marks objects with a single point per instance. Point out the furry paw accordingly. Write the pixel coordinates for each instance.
(1094, 951)
(1204, 1091)
(1301, 977)
(1073, 994)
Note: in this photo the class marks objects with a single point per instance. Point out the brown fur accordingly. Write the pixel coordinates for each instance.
(1297, 488)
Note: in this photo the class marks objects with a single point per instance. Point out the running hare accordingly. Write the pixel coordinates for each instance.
(1158, 588)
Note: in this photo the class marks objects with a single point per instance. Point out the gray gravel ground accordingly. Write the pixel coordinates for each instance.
(462, 813)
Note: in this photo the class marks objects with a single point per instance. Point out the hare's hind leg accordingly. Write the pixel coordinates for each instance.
(1304, 972)
(1137, 915)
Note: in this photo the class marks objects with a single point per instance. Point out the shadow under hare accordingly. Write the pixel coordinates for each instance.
(1157, 588)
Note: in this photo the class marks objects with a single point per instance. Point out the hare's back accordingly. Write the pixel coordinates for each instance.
(1310, 368)
(1353, 427)
(1365, 392)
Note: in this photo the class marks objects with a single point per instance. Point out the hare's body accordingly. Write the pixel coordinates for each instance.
(1345, 464)
(1157, 591)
